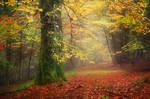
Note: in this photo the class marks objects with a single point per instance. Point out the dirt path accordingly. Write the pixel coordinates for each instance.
(98, 83)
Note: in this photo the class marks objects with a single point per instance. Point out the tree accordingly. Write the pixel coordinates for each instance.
(130, 29)
(50, 70)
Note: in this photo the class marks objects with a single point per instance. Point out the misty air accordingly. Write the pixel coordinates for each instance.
(74, 49)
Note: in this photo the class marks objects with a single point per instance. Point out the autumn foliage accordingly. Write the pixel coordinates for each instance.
(7, 46)
(85, 32)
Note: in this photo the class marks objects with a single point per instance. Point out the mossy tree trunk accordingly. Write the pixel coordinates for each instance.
(50, 70)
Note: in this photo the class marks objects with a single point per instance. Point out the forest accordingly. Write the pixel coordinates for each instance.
(74, 49)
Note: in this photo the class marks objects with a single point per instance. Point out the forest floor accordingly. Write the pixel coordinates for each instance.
(92, 82)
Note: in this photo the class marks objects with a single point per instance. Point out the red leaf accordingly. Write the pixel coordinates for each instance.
(8, 45)
(3, 45)
(0, 48)
(11, 45)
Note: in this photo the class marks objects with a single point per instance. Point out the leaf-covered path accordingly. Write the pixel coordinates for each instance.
(99, 83)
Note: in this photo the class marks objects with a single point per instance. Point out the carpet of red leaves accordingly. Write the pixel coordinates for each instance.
(116, 85)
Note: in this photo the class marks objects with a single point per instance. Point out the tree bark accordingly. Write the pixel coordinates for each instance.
(50, 70)
(29, 64)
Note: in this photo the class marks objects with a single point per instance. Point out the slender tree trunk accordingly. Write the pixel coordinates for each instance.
(8, 57)
(71, 36)
(71, 41)
(113, 43)
(20, 57)
(29, 64)
(109, 48)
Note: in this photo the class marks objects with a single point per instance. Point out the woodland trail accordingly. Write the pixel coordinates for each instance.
(92, 83)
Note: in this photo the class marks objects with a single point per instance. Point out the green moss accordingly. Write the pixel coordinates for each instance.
(92, 72)
(50, 70)
(23, 86)
(16, 87)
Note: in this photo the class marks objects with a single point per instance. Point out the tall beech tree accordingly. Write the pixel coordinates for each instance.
(50, 69)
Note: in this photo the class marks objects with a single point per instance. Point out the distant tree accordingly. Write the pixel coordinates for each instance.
(130, 29)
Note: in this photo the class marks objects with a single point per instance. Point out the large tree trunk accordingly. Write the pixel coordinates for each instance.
(50, 70)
